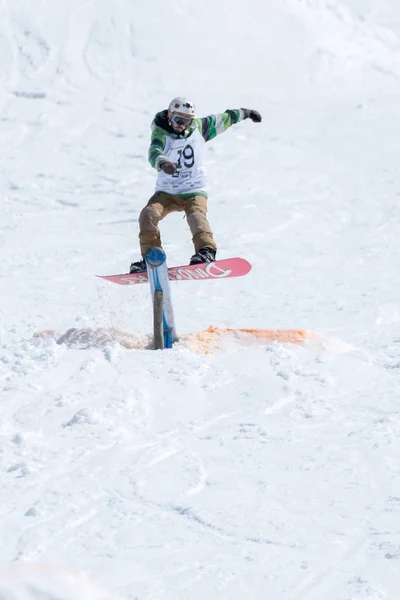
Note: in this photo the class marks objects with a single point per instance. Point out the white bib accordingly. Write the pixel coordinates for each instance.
(188, 155)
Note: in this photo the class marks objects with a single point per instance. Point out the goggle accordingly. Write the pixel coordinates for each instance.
(180, 119)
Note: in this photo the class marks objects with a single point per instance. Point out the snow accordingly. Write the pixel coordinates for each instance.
(231, 466)
(36, 582)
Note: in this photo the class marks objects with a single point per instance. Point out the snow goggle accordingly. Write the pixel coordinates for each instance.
(181, 119)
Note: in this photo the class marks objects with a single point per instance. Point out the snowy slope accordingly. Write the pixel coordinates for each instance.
(258, 470)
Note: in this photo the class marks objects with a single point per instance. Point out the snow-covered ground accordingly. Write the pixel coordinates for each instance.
(255, 470)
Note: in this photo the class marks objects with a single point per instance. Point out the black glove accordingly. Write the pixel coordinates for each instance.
(168, 167)
(254, 115)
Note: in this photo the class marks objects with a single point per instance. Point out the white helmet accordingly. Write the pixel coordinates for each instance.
(181, 107)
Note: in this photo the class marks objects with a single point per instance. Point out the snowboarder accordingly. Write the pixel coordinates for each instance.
(176, 151)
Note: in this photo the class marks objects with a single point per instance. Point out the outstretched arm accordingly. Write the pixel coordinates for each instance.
(213, 125)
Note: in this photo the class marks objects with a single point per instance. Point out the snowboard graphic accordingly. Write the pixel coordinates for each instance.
(220, 269)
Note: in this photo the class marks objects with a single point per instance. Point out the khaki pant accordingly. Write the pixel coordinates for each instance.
(160, 205)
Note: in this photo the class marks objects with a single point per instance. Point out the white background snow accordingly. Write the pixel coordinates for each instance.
(257, 472)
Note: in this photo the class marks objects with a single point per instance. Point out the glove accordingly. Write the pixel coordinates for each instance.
(254, 115)
(168, 167)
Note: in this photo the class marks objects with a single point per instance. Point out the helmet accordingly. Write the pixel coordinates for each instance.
(181, 107)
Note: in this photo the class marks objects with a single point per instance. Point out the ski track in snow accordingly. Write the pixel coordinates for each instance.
(256, 471)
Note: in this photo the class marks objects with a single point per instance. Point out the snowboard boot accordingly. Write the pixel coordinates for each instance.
(138, 267)
(204, 255)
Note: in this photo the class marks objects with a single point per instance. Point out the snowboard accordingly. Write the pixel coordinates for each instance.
(220, 269)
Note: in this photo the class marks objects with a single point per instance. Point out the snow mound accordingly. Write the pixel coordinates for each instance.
(36, 582)
(98, 337)
(213, 339)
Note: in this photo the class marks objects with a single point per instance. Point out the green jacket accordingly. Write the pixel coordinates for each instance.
(209, 127)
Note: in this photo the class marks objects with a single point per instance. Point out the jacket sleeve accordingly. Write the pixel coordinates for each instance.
(213, 125)
(157, 146)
